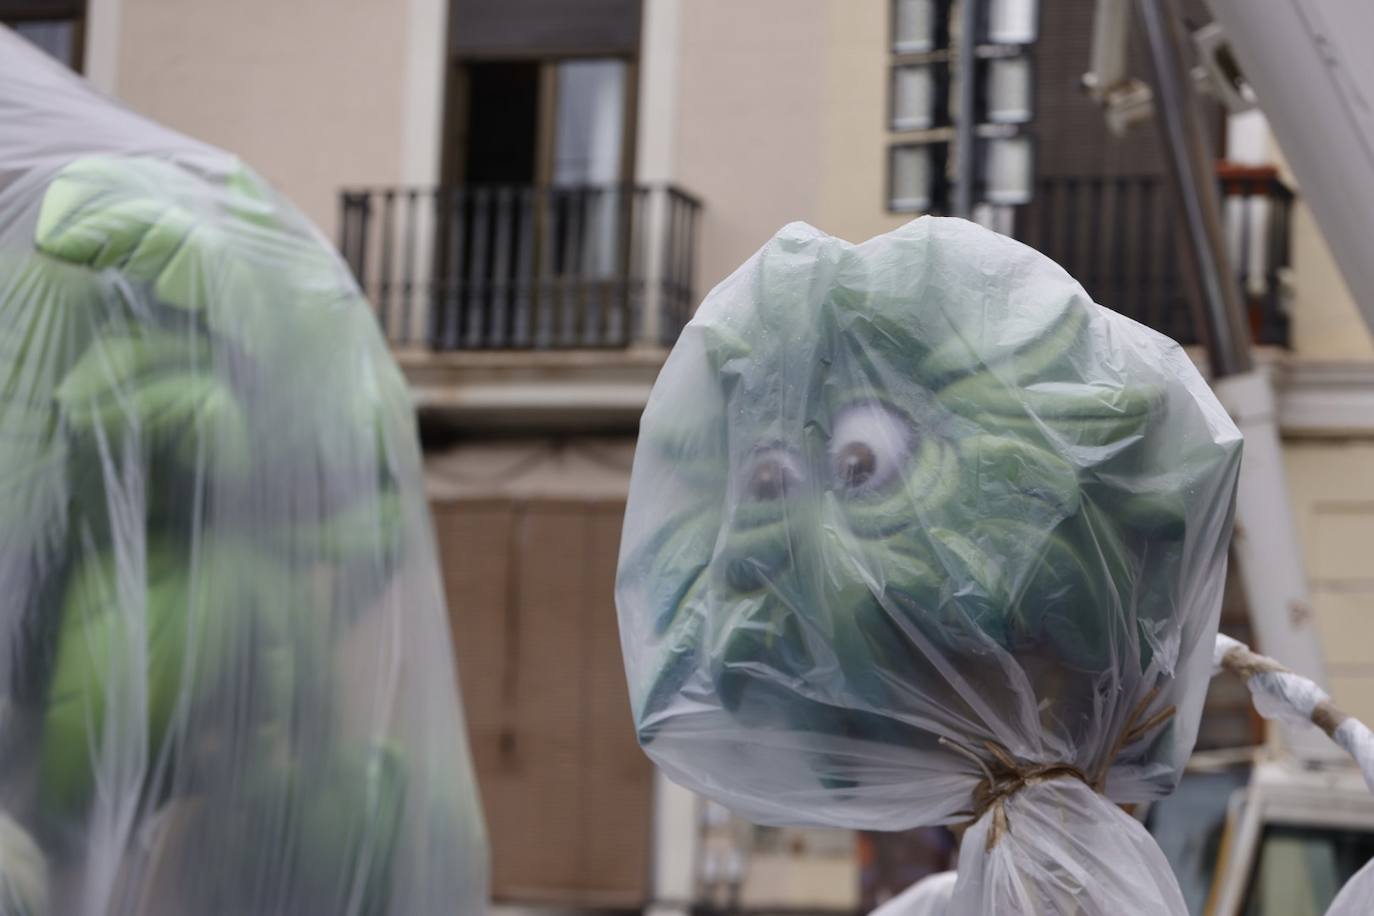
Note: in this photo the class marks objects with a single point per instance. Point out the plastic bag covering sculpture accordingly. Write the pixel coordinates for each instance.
(918, 534)
(227, 681)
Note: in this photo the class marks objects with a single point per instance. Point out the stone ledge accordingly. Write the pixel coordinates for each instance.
(1324, 399)
(607, 389)
(546, 390)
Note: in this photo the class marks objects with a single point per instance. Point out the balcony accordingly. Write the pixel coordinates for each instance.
(524, 268)
(1119, 236)
(542, 305)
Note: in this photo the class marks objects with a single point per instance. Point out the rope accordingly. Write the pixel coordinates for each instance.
(1004, 776)
(1245, 664)
(1298, 698)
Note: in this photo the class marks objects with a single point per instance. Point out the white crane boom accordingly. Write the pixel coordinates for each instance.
(1310, 66)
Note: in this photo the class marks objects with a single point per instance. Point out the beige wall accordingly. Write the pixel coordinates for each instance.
(1326, 323)
(777, 107)
(853, 195)
(1331, 482)
(312, 93)
(1332, 487)
(748, 140)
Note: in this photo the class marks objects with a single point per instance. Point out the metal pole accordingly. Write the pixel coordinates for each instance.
(1266, 543)
(1192, 174)
(965, 143)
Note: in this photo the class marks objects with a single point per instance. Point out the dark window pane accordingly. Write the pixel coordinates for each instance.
(1300, 870)
(503, 118)
(56, 36)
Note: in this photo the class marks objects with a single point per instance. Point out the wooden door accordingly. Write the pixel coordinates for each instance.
(566, 789)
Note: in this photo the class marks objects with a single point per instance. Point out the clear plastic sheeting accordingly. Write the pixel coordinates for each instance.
(226, 684)
(918, 534)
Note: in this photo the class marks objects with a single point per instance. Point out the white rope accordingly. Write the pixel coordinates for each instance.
(1283, 695)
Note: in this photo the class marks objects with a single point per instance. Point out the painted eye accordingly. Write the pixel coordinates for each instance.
(869, 445)
(772, 474)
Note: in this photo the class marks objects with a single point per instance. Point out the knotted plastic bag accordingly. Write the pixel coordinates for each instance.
(917, 534)
(226, 685)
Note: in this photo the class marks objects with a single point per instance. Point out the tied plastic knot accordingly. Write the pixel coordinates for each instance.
(1005, 776)
(1003, 779)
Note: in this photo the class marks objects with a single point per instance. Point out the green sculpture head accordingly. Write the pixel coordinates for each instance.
(916, 488)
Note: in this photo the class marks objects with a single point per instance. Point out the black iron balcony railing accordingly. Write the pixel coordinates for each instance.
(490, 267)
(1118, 235)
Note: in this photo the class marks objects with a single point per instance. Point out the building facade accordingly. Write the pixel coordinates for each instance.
(535, 194)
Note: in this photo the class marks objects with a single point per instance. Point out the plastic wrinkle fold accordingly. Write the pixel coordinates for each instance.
(226, 680)
(914, 523)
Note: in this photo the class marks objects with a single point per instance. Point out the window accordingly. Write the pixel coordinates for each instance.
(590, 122)
(56, 36)
(924, 110)
(587, 148)
(918, 104)
(1009, 170)
(538, 150)
(916, 25)
(912, 169)
(56, 26)
(1299, 870)
(1008, 91)
(920, 96)
(550, 121)
(1013, 22)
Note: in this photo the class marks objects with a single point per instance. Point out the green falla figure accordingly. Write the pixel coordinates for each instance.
(902, 503)
(200, 496)
(226, 684)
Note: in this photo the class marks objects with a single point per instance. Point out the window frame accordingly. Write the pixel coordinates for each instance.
(453, 155)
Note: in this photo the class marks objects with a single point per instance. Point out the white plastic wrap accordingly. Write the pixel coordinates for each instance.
(917, 531)
(226, 683)
(927, 897)
(1357, 897)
